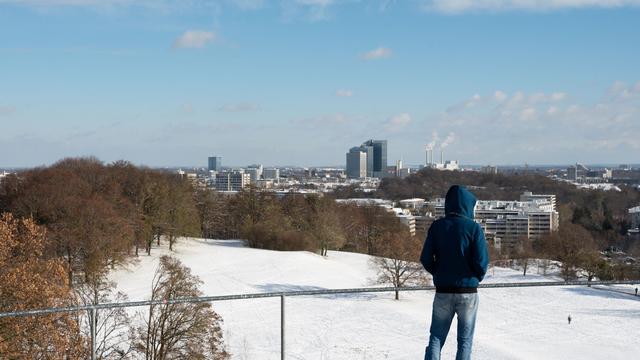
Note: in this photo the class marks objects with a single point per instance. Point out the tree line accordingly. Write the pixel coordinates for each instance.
(64, 227)
(97, 215)
(28, 280)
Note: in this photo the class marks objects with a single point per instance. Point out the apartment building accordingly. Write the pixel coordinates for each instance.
(508, 222)
(232, 180)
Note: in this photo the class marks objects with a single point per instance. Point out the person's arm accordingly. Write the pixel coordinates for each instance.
(427, 257)
(480, 261)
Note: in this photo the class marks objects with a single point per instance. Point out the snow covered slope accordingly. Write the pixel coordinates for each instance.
(516, 323)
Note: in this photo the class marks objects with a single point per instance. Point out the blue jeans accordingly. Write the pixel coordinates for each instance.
(444, 307)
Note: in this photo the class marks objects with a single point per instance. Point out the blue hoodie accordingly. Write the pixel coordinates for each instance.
(455, 251)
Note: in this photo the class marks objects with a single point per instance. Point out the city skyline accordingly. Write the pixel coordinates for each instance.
(294, 82)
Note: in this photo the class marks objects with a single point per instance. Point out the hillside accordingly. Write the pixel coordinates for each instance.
(527, 323)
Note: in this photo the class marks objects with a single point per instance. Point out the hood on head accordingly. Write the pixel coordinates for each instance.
(459, 201)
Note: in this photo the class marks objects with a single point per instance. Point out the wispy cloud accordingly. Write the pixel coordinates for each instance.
(461, 6)
(398, 122)
(344, 93)
(378, 53)
(547, 125)
(239, 107)
(194, 39)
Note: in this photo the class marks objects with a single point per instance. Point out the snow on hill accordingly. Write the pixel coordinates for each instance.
(514, 323)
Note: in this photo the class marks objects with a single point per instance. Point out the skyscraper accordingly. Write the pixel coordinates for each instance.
(356, 163)
(379, 163)
(368, 150)
(215, 163)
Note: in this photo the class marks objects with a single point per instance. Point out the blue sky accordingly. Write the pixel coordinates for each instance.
(300, 81)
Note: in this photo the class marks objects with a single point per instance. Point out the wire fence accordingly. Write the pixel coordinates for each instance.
(93, 309)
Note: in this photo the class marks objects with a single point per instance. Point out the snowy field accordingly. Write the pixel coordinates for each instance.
(515, 323)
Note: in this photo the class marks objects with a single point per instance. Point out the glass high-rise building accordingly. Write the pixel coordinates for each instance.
(356, 163)
(379, 163)
(215, 163)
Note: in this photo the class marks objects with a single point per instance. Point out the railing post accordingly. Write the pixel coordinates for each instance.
(92, 325)
(282, 327)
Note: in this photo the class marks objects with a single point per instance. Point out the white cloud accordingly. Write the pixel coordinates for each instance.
(378, 53)
(193, 39)
(461, 6)
(499, 96)
(558, 96)
(398, 122)
(528, 114)
(344, 93)
(546, 127)
(239, 107)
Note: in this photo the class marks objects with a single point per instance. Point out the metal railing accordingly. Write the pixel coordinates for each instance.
(92, 309)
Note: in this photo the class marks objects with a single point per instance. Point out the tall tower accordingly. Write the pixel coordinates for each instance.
(356, 163)
(215, 163)
(379, 157)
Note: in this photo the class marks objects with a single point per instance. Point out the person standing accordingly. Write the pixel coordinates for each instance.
(569, 319)
(455, 254)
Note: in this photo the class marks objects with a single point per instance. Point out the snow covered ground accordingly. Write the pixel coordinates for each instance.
(514, 323)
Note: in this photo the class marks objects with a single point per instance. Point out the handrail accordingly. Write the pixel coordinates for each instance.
(297, 293)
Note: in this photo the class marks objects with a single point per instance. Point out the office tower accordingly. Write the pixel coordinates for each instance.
(356, 163)
(379, 157)
(215, 163)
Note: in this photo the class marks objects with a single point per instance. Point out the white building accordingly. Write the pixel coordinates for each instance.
(450, 165)
(414, 204)
(546, 200)
(507, 222)
(406, 218)
(232, 180)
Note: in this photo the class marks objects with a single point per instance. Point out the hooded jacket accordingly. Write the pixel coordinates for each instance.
(455, 250)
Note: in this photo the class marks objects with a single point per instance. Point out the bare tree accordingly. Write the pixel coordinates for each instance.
(398, 267)
(182, 330)
(569, 246)
(524, 253)
(112, 325)
(327, 227)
